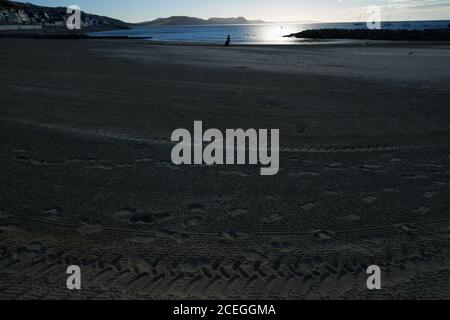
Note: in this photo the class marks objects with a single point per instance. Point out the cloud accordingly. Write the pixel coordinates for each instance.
(415, 4)
(402, 10)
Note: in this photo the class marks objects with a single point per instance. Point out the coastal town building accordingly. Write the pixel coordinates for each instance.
(26, 16)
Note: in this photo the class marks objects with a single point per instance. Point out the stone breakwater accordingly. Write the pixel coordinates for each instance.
(366, 34)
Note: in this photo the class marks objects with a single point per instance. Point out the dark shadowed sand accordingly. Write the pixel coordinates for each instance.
(87, 179)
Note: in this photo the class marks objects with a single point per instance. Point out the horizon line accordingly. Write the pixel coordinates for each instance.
(25, 2)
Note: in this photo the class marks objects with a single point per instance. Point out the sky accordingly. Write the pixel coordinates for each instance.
(268, 10)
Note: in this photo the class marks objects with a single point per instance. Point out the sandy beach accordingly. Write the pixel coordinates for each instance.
(87, 178)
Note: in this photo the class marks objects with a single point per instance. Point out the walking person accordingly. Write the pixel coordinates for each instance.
(227, 43)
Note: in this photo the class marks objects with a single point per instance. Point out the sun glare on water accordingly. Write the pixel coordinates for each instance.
(275, 34)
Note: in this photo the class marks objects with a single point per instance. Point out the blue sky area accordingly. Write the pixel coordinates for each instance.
(268, 10)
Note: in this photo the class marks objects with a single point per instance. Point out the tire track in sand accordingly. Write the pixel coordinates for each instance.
(109, 134)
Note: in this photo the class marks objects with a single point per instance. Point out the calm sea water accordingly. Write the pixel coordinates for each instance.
(254, 34)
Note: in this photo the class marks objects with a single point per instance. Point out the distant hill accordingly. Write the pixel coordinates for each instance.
(189, 21)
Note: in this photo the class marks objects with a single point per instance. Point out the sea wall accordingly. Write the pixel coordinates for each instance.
(366, 34)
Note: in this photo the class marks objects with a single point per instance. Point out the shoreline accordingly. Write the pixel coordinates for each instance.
(321, 42)
(49, 32)
(308, 43)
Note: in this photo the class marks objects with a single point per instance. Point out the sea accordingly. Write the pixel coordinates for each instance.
(269, 33)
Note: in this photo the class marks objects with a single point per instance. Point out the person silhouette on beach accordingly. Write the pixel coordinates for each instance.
(227, 43)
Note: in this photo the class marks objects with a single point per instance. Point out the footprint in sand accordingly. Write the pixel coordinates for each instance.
(407, 228)
(88, 229)
(144, 160)
(323, 234)
(307, 264)
(21, 151)
(192, 222)
(352, 217)
(125, 212)
(228, 235)
(145, 217)
(167, 165)
(22, 159)
(308, 206)
(282, 246)
(87, 161)
(422, 210)
(9, 228)
(53, 214)
(142, 239)
(176, 236)
(193, 264)
(270, 104)
(53, 211)
(304, 174)
(272, 218)
(416, 177)
(253, 255)
(101, 167)
(429, 194)
(335, 166)
(371, 166)
(235, 173)
(231, 235)
(141, 216)
(369, 199)
(126, 165)
(196, 207)
(237, 212)
(330, 193)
